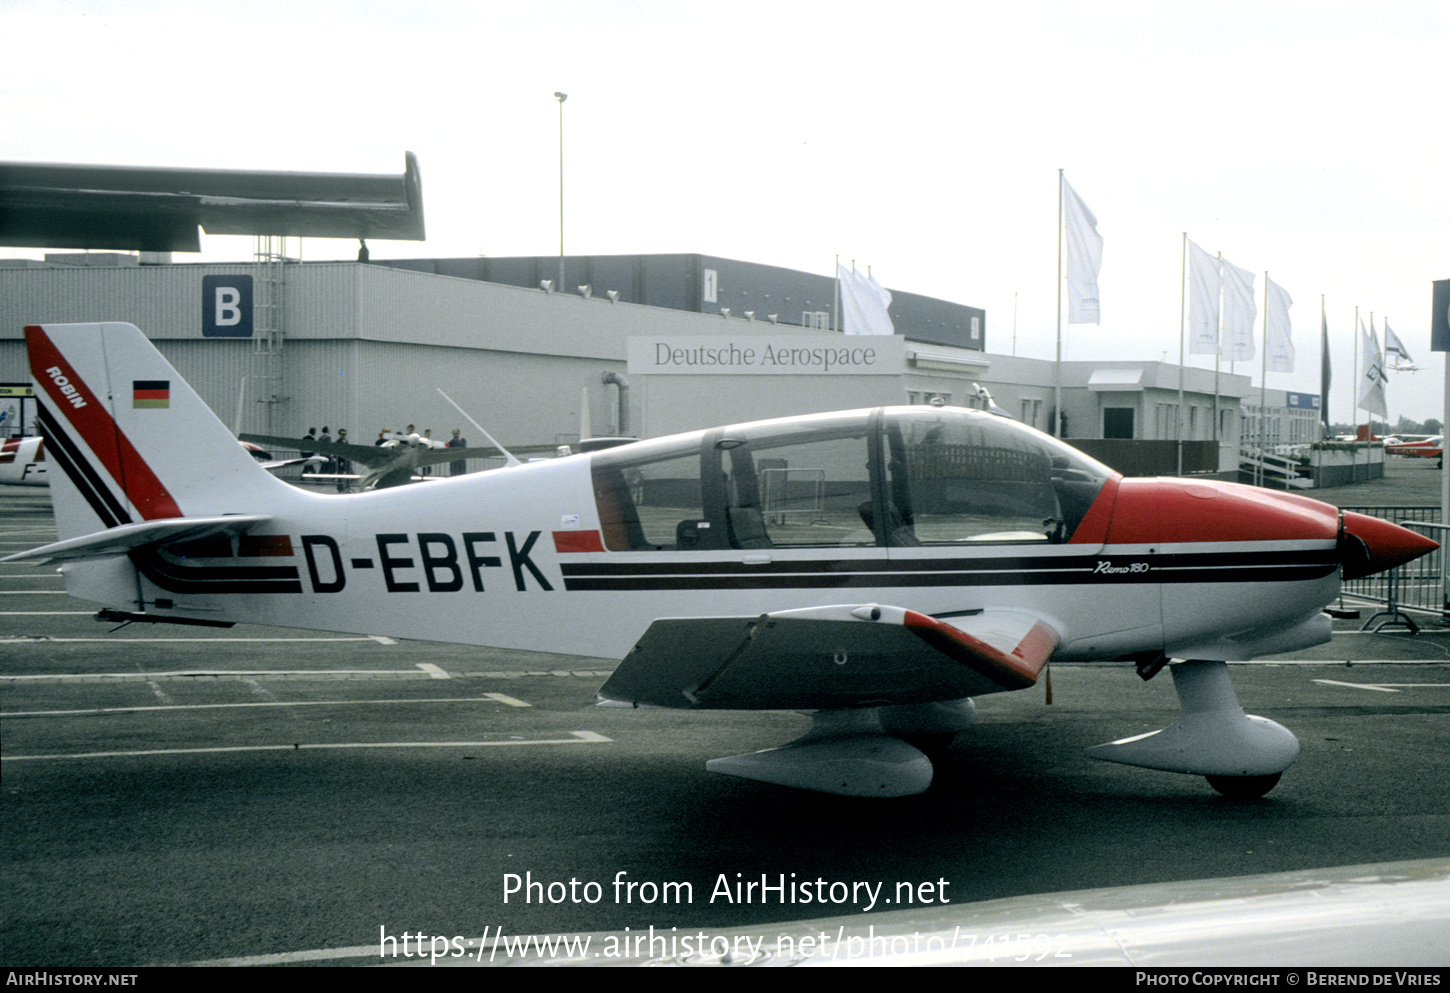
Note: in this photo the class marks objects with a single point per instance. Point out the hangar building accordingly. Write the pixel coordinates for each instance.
(276, 347)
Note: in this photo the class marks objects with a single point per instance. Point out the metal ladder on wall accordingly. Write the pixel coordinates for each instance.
(270, 252)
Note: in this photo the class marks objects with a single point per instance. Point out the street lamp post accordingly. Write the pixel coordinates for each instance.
(561, 97)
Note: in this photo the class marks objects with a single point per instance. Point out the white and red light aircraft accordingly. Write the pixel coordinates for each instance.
(1429, 447)
(878, 568)
(22, 462)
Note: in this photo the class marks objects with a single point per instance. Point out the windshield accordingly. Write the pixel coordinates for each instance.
(887, 477)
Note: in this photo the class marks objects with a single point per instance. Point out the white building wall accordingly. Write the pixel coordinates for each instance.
(367, 347)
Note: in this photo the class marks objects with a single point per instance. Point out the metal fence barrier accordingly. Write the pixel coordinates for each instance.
(1418, 585)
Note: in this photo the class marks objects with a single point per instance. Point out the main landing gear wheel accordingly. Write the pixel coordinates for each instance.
(1244, 787)
(933, 746)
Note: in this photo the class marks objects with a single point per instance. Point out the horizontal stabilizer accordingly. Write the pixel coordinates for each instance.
(830, 657)
(119, 540)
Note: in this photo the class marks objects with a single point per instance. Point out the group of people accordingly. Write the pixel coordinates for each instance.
(425, 440)
(337, 464)
(333, 463)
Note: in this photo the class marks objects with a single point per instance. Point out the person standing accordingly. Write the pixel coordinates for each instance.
(341, 465)
(460, 466)
(311, 436)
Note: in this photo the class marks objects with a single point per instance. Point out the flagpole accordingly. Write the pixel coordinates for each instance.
(1264, 389)
(1182, 335)
(1057, 365)
(1385, 368)
(836, 297)
(1218, 363)
(1444, 477)
(1324, 419)
(1358, 344)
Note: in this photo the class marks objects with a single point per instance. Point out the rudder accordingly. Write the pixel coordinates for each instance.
(132, 439)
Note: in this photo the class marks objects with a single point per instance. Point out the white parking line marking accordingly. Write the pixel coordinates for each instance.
(45, 613)
(246, 675)
(1385, 687)
(578, 738)
(217, 674)
(311, 955)
(45, 640)
(507, 701)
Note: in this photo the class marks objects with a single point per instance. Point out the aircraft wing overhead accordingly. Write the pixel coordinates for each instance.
(830, 657)
(368, 455)
(381, 456)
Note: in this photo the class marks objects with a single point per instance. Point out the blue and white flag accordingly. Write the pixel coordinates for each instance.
(1396, 353)
(1372, 379)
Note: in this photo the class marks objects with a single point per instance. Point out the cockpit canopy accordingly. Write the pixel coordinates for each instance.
(896, 476)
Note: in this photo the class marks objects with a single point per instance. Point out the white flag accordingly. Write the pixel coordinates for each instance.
(864, 304)
(1395, 349)
(1239, 313)
(1278, 348)
(1205, 280)
(1084, 258)
(1372, 379)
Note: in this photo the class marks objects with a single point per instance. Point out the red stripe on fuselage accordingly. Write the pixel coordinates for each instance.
(98, 429)
(577, 541)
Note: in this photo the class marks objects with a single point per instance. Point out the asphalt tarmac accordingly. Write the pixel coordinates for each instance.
(266, 796)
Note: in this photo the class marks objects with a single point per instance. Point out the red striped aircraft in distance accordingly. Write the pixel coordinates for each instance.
(22, 462)
(1426, 448)
(877, 568)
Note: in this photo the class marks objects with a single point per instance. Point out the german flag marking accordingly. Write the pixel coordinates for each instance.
(150, 393)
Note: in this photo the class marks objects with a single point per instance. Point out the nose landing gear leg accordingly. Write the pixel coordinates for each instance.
(1241, 755)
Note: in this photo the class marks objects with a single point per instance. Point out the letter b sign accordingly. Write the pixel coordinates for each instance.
(226, 306)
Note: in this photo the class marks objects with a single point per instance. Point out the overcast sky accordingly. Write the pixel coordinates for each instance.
(923, 140)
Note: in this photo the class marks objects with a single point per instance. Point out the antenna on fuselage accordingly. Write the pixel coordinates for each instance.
(508, 456)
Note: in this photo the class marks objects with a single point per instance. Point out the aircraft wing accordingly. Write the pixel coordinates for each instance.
(830, 657)
(284, 463)
(119, 540)
(439, 455)
(368, 455)
(387, 456)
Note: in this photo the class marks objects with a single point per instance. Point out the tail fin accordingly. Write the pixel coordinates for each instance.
(133, 442)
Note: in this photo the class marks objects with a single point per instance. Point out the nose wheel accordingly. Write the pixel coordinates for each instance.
(1239, 754)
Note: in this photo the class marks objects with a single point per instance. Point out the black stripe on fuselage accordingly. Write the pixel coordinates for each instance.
(61, 447)
(1069, 570)
(178, 577)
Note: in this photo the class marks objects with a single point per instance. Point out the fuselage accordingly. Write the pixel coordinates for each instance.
(543, 557)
